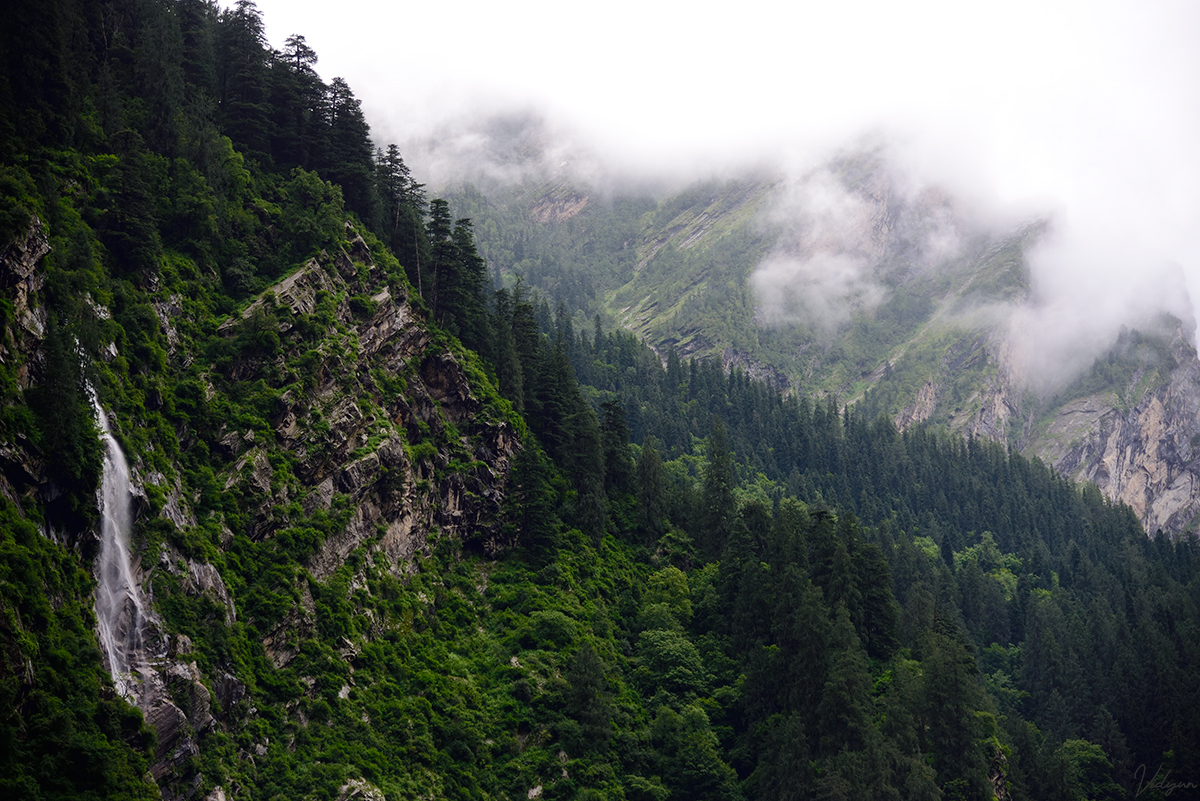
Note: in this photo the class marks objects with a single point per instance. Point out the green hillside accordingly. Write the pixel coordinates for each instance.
(402, 534)
(683, 271)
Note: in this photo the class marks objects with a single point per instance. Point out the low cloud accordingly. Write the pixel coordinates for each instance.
(847, 233)
(507, 147)
(820, 272)
(1086, 288)
(1083, 113)
(823, 290)
(852, 230)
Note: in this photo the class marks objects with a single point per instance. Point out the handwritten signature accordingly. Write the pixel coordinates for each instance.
(1160, 781)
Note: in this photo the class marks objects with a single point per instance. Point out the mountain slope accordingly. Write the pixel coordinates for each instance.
(357, 559)
(854, 283)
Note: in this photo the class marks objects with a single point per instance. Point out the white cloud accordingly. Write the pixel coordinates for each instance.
(1091, 108)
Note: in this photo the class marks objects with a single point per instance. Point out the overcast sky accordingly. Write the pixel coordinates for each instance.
(1091, 109)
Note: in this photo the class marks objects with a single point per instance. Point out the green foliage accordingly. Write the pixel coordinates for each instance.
(311, 214)
(63, 731)
(762, 596)
(67, 432)
(19, 201)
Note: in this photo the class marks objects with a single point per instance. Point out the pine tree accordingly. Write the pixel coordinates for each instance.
(67, 433)
(618, 463)
(350, 159)
(719, 508)
(532, 505)
(844, 711)
(242, 91)
(588, 698)
(948, 699)
(436, 277)
(504, 351)
(651, 494)
(463, 300)
(299, 108)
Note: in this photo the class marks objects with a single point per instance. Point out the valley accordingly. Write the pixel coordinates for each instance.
(317, 481)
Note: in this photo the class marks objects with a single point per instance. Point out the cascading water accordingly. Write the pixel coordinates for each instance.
(119, 610)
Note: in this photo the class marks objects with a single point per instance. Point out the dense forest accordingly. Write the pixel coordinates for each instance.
(694, 585)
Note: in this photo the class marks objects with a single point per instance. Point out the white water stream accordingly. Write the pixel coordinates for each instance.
(119, 609)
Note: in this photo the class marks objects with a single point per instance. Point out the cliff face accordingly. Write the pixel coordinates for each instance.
(1145, 455)
(371, 436)
(350, 439)
(20, 280)
(1140, 447)
(385, 436)
(428, 458)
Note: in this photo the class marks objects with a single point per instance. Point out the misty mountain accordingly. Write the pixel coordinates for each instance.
(855, 280)
(295, 504)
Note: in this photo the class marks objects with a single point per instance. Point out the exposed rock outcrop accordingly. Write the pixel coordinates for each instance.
(400, 464)
(383, 432)
(21, 276)
(1147, 456)
(561, 204)
(920, 409)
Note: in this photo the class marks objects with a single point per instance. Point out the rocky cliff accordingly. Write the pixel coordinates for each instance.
(1135, 437)
(1145, 453)
(367, 436)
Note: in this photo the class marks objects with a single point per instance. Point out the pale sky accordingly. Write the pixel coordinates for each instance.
(664, 81)
(1091, 109)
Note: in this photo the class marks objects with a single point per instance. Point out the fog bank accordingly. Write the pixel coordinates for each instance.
(1084, 112)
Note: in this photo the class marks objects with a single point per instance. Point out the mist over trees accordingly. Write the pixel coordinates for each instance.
(711, 589)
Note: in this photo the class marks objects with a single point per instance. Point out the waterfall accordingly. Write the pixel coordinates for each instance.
(119, 610)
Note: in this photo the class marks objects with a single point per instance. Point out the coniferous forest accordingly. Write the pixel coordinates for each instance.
(645, 578)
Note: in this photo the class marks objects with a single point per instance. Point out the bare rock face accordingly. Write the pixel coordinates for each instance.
(384, 431)
(363, 454)
(391, 463)
(397, 465)
(562, 204)
(1147, 456)
(170, 691)
(361, 790)
(282, 642)
(731, 359)
(920, 409)
(1002, 405)
(21, 277)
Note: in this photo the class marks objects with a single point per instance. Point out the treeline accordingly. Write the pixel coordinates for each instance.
(1046, 595)
(195, 106)
(719, 591)
(1001, 613)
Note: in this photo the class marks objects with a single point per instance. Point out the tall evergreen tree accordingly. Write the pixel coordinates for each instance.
(651, 494)
(350, 158)
(300, 114)
(618, 463)
(949, 726)
(436, 277)
(719, 508)
(588, 698)
(242, 79)
(504, 350)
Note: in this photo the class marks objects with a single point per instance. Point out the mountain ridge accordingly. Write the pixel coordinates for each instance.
(933, 290)
(397, 534)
